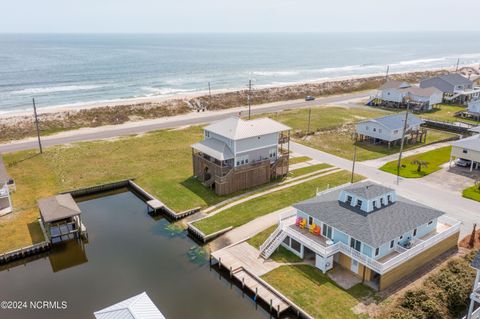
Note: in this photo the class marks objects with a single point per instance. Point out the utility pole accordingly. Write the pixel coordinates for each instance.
(402, 142)
(458, 62)
(309, 120)
(354, 158)
(37, 125)
(249, 98)
(388, 69)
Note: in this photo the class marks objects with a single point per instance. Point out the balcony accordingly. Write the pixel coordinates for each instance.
(320, 245)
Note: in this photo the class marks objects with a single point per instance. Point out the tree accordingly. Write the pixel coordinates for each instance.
(420, 164)
(471, 242)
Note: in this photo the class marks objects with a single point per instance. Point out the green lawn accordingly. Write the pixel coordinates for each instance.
(472, 193)
(316, 293)
(434, 158)
(281, 255)
(446, 113)
(335, 127)
(308, 169)
(247, 211)
(299, 159)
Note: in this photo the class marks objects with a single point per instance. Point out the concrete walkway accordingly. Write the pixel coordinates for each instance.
(419, 190)
(248, 230)
(379, 162)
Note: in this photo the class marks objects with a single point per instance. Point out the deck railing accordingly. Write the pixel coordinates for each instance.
(287, 219)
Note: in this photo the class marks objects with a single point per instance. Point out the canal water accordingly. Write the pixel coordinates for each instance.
(128, 252)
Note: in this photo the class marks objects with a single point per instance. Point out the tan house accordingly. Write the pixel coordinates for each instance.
(237, 154)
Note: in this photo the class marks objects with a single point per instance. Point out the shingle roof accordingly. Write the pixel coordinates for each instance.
(4, 177)
(426, 92)
(236, 129)
(137, 307)
(395, 121)
(215, 148)
(471, 143)
(58, 207)
(455, 79)
(475, 129)
(368, 190)
(375, 228)
(476, 261)
(394, 84)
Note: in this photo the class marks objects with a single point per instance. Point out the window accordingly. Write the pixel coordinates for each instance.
(310, 220)
(207, 134)
(286, 241)
(375, 205)
(327, 231)
(389, 198)
(395, 132)
(349, 199)
(359, 203)
(401, 237)
(242, 160)
(382, 202)
(377, 251)
(355, 244)
(272, 152)
(374, 129)
(295, 245)
(465, 151)
(392, 243)
(414, 232)
(430, 222)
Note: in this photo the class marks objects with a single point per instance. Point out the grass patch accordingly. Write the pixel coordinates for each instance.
(472, 193)
(434, 158)
(446, 113)
(299, 159)
(315, 292)
(308, 169)
(247, 211)
(281, 255)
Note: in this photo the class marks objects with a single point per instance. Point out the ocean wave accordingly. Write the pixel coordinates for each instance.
(164, 91)
(421, 61)
(54, 89)
(275, 73)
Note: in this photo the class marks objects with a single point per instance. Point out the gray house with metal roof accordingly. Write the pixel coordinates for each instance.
(365, 228)
(390, 128)
(238, 154)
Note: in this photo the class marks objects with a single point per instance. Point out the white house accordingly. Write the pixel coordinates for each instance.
(474, 106)
(388, 128)
(399, 93)
(467, 148)
(455, 87)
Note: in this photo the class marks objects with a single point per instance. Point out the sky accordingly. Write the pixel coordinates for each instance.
(172, 16)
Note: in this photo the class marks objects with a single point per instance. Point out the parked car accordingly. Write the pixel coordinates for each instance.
(463, 162)
(309, 98)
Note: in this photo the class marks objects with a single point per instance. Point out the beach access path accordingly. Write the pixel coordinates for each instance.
(192, 118)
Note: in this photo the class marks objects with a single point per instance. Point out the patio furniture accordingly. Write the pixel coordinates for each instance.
(312, 228)
(317, 230)
(303, 223)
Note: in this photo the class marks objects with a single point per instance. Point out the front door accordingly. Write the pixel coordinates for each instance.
(354, 266)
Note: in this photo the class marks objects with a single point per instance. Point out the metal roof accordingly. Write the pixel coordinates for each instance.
(235, 128)
(394, 84)
(58, 207)
(136, 307)
(396, 121)
(368, 190)
(375, 228)
(4, 177)
(215, 148)
(471, 143)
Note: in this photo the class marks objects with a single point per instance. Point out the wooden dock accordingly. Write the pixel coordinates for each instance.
(246, 266)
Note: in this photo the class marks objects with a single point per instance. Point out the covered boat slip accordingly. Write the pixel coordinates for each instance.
(61, 218)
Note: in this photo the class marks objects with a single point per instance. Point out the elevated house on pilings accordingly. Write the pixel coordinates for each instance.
(7, 185)
(475, 295)
(237, 154)
(456, 88)
(61, 218)
(389, 130)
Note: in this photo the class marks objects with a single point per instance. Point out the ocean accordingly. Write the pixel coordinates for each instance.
(69, 69)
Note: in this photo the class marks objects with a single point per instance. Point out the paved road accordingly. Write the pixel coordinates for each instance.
(443, 199)
(111, 131)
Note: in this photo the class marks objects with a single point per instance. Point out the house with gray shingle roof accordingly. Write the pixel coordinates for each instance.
(237, 154)
(366, 228)
(455, 87)
(398, 93)
(389, 129)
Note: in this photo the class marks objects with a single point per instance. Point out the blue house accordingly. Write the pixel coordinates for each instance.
(367, 229)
